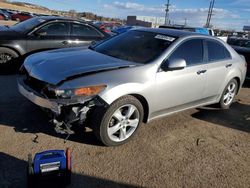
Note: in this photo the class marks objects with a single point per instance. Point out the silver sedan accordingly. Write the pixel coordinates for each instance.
(135, 77)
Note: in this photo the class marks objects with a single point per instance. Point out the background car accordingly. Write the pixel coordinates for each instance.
(44, 33)
(123, 29)
(238, 41)
(4, 15)
(242, 46)
(21, 16)
(133, 77)
(246, 53)
(201, 30)
(107, 27)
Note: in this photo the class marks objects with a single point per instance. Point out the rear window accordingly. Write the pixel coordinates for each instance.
(136, 46)
(217, 51)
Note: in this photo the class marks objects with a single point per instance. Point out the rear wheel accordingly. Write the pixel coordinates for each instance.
(229, 94)
(118, 124)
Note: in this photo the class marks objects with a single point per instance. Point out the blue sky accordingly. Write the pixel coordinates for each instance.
(228, 14)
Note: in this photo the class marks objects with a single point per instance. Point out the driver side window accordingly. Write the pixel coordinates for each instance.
(191, 51)
(54, 29)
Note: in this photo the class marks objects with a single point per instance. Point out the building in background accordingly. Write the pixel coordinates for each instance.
(156, 21)
(134, 21)
(246, 28)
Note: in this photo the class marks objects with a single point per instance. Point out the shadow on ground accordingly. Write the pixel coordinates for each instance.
(237, 117)
(19, 113)
(13, 174)
(246, 84)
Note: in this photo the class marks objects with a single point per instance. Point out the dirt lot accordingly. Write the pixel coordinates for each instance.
(196, 148)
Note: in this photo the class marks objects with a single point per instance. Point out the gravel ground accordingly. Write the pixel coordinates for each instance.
(203, 147)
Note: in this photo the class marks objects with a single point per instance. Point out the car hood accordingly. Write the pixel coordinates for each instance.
(57, 66)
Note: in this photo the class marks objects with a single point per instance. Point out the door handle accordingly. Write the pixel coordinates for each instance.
(228, 65)
(65, 42)
(201, 72)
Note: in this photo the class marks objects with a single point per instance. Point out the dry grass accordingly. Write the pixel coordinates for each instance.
(22, 8)
(7, 22)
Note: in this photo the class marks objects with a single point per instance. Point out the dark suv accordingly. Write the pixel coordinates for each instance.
(44, 33)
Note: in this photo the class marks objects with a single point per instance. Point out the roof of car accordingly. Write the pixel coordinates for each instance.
(59, 18)
(170, 32)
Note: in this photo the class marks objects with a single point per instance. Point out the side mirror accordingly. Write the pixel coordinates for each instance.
(174, 64)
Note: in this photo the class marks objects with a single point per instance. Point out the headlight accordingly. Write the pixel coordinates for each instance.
(84, 91)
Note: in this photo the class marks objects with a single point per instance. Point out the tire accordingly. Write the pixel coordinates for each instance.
(228, 94)
(118, 123)
(8, 60)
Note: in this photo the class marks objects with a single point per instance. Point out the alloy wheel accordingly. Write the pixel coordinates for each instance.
(123, 123)
(5, 57)
(229, 94)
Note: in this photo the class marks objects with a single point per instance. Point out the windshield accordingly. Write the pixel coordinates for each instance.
(27, 25)
(136, 46)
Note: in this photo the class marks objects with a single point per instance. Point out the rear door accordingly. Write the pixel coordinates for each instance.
(218, 64)
(179, 89)
(82, 34)
(49, 36)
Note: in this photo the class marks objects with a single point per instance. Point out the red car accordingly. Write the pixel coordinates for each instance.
(2, 17)
(108, 27)
(21, 16)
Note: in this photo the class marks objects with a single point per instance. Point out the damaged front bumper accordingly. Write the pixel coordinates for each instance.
(63, 110)
(34, 97)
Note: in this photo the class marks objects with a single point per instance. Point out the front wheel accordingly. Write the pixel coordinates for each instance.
(119, 122)
(229, 94)
(8, 59)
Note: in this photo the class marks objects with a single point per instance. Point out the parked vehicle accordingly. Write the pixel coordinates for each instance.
(242, 46)
(132, 78)
(123, 29)
(246, 53)
(108, 27)
(238, 41)
(44, 33)
(4, 15)
(201, 30)
(21, 16)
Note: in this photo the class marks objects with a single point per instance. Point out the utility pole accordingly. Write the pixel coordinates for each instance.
(185, 23)
(167, 20)
(210, 13)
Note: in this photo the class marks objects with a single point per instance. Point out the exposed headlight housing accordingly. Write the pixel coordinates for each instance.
(79, 92)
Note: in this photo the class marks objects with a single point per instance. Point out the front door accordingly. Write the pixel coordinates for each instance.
(180, 89)
(50, 36)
